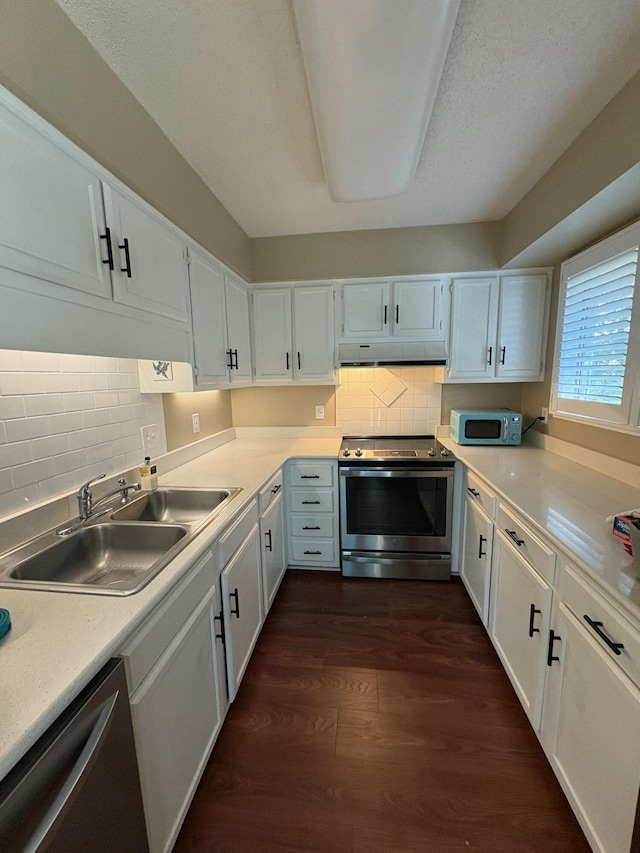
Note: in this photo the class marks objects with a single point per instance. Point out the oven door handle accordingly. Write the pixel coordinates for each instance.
(431, 471)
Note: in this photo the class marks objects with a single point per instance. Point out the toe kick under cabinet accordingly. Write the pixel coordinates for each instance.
(312, 512)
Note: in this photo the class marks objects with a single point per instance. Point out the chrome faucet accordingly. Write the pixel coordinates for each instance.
(86, 505)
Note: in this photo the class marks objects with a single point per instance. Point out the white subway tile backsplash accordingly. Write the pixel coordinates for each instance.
(66, 418)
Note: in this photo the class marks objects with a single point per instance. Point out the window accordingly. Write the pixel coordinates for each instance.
(596, 375)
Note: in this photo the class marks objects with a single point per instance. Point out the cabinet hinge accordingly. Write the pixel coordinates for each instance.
(441, 289)
(451, 288)
(195, 370)
(185, 255)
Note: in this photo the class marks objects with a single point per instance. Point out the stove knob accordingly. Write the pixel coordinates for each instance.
(358, 452)
(431, 452)
(444, 452)
(346, 452)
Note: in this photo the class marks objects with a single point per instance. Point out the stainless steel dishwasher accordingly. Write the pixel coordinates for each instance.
(77, 790)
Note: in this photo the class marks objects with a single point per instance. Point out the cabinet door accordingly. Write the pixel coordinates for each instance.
(238, 330)
(211, 358)
(51, 214)
(474, 313)
(313, 334)
(521, 326)
(242, 606)
(150, 266)
(176, 719)
(592, 737)
(365, 311)
(415, 309)
(273, 349)
(519, 624)
(273, 556)
(477, 546)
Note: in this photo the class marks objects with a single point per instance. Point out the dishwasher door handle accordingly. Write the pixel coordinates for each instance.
(80, 769)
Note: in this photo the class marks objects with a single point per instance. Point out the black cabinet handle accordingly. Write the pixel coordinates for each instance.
(483, 540)
(514, 537)
(287, 354)
(312, 552)
(276, 489)
(310, 502)
(235, 358)
(235, 611)
(107, 236)
(230, 363)
(309, 476)
(312, 528)
(616, 648)
(532, 616)
(490, 354)
(220, 618)
(386, 307)
(473, 492)
(299, 365)
(550, 656)
(503, 352)
(269, 545)
(125, 245)
(397, 313)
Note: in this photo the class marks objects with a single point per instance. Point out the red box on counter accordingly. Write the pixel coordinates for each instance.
(622, 529)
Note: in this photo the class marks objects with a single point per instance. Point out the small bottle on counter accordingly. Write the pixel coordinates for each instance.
(148, 475)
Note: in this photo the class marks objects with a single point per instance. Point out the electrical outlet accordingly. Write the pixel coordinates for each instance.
(319, 413)
(150, 439)
(195, 418)
(544, 415)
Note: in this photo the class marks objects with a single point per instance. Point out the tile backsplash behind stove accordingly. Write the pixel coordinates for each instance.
(380, 400)
(66, 418)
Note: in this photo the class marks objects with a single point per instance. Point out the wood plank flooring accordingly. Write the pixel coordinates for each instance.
(375, 717)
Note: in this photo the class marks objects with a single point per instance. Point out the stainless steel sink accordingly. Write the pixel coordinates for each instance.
(174, 505)
(119, 556)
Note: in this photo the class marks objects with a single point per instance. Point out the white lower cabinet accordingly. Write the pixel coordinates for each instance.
(476, 555)
(272, 542)
(312, 502)
(174, 688)
(591, 722)
(242, 603)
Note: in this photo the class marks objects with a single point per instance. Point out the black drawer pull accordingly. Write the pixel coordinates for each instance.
(310, 502)
(107, 236)
(309, 476)
(312, 552)
(235, 611)
(532, 616)
(483, 540)
(616, 648)
(127, 268)
(514, 536)
(312, 528)
(220, 619)
(276, 489)
(473, 492)
(550, 655)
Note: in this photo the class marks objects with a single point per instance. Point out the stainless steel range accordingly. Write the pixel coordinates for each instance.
(396, 500)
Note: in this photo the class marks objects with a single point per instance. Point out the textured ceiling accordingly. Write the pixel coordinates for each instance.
(225, 82)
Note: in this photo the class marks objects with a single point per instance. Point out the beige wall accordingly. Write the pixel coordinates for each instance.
(535, 395)
(498, 396)
(390, 251)
(49, 64)
(214, 408)
(284, 406)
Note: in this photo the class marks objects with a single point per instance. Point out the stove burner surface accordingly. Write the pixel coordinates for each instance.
(360, 449)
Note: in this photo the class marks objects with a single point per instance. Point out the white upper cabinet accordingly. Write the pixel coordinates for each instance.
(149, 259)
(293, 334)
(238, 330)
(51, 216)
(498, 328)
(378, 310)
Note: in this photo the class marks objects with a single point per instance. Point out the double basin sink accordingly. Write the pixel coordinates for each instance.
(119, 555)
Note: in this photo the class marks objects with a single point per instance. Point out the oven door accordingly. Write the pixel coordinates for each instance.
(396, 510)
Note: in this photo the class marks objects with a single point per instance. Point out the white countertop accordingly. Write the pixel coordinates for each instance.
(570, 503)
(59, 641)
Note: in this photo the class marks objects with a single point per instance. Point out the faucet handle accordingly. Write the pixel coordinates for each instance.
(83, 489)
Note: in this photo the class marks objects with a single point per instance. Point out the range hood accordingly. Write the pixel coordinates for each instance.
(393, 354)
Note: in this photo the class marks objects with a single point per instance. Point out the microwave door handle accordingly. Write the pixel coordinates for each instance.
(505, 429)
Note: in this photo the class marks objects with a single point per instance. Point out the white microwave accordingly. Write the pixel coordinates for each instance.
(486, 427)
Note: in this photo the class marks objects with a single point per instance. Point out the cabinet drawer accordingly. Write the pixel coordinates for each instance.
(148, 644)
(313, 551)
(311, 473)
(311, 500)
(234, 536)
(313, 526)
(583, 600)
(268, 492)
(526, 543)
(480, 493)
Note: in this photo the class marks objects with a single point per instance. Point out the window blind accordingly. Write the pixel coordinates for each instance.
(595, 332)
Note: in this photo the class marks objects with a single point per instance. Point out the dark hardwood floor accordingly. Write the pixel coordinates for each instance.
(375, 716)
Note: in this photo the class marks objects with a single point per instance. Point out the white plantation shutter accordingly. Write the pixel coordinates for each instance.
(596, 350)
